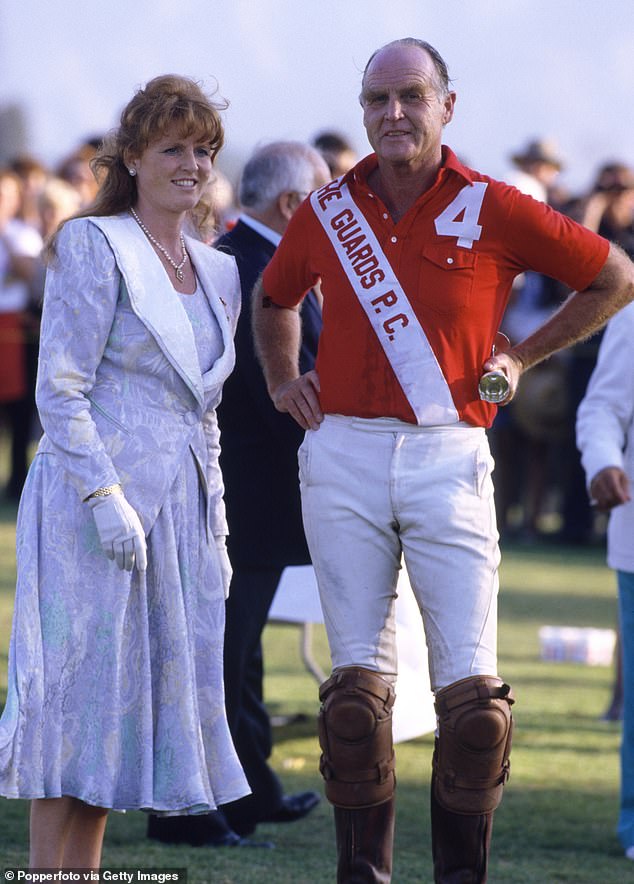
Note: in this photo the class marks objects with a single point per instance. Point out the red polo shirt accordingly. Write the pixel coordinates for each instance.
(458, 284)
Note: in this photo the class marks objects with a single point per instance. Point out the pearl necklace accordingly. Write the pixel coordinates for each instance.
(178, 268)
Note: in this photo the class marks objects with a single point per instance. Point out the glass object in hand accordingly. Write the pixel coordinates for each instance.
(493, 386)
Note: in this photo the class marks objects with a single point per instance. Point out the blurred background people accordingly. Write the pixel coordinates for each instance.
(33, 176)
(57, 201)
(527, 435)
(537, 166)
(216, 211)
(337, 151)
(609, 206)
(539, 480)
(76, 169)
(20, 248)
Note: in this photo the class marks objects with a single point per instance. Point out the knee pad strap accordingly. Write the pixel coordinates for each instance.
(355, 735)
(471, 759)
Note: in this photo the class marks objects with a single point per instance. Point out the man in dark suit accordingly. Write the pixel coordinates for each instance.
(259, 466)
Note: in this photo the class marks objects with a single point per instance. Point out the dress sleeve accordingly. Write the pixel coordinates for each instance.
(80, 300)
(215, 484)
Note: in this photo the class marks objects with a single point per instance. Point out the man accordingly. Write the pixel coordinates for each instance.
(259, 466)
(416, 255)
(605, 436)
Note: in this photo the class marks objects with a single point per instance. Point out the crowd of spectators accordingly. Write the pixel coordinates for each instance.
(34, 199)
(540, 487)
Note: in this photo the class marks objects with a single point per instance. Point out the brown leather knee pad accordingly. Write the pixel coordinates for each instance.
(471, 758)
(355, 735)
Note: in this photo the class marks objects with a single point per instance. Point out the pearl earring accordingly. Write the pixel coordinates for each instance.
(132, 172)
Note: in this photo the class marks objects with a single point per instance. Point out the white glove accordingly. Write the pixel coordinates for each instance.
(120, 531)
(226, 571)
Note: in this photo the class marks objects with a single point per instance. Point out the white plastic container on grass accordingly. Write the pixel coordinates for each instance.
(574, 644)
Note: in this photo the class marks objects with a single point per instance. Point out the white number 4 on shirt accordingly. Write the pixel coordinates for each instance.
(460, 218)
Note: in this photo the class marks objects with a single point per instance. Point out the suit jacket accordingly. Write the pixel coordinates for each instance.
(120, 392)
(259, 453)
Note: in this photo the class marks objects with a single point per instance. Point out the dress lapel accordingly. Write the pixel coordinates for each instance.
(219, 280)
(153, 298)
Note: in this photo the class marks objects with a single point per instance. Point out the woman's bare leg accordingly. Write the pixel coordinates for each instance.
(85, 838)
(50, 823)
(66, 833)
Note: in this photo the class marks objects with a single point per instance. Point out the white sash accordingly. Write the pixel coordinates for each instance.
(386, 305)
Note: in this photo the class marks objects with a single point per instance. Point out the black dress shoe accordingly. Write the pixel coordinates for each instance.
(198, 830)
(290, 808)
(234, 840)
(293, 807)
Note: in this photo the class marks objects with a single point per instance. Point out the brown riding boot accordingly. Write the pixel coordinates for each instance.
(365, 838)
(460, 844)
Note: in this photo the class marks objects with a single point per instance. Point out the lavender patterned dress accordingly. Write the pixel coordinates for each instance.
(115, 691)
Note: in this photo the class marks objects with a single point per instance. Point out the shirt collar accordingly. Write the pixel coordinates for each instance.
(267, 232)
(450, 163)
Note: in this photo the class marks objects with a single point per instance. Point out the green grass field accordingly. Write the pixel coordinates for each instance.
(557, 820)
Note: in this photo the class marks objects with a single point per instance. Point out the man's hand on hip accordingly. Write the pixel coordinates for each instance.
(300, 398)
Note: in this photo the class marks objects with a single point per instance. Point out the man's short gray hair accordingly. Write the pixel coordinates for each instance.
(442, 72)
(276, 168)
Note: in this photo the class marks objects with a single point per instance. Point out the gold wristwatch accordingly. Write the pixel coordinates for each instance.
(105, 492)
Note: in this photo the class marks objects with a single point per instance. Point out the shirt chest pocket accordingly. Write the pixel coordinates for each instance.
(447, 275)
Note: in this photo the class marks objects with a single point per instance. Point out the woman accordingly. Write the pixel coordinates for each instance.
(115, 677)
